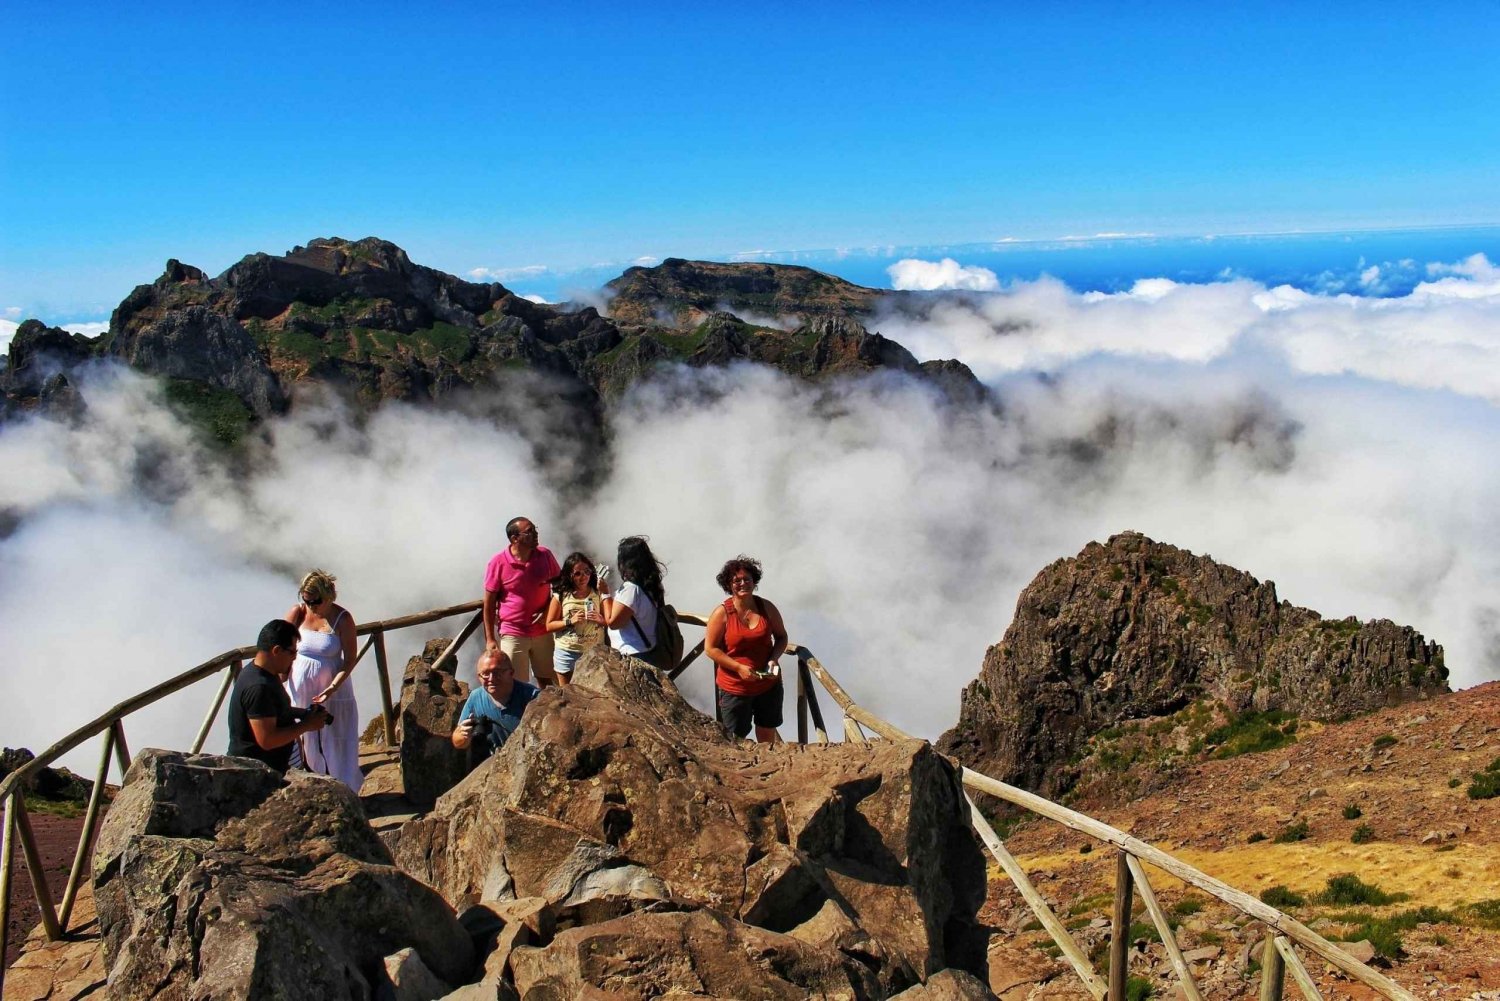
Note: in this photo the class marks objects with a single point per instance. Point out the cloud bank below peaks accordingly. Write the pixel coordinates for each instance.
(1444, 334)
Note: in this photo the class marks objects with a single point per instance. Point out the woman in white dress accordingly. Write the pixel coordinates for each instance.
(320, 675)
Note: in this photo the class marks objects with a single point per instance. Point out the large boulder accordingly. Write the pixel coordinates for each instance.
(1133, 629)
(431, 699)
(618, 794)
(217, 877)
(686, 954)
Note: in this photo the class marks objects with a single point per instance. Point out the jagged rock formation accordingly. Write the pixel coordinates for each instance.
(359, 315)
(681, 293)
(620, 812)
(1134, 629)
(48, 783)
(431, 700)
(35, 374)
(216, 877)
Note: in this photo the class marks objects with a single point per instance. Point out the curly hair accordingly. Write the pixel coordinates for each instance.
(749, 564)
(562, 584)
(319, 582)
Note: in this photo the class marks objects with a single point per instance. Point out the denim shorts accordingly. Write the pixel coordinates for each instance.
(564, 660)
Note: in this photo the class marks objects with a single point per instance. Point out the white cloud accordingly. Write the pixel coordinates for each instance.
(1444, 335)
(535, 298)
(914, 274)
(1475, 266)
(7, 331)
(12, 312)
(1472, 278)
(507, 274)
(646, 261)
(88, 329)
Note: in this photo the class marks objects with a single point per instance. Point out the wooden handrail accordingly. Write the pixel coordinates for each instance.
(1270, 916)
(207, 669)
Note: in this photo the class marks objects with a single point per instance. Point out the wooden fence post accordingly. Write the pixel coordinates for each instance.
(387, 713)
(1119, 940)
(7, 856)
(122, 750)
(231, 671)
(805, 682)
(801, 709)
(1272, 970)
(38, 874)
(1164, 929)
(90, 828)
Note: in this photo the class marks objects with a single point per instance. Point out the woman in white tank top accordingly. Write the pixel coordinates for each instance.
(321, 674)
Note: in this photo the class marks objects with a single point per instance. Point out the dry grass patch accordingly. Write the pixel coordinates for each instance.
(1440, 879)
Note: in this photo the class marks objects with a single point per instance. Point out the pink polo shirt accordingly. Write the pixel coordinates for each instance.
(524, 588)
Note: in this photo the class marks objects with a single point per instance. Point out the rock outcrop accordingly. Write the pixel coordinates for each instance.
(684, 293)
(217, 877)
(699, 953)
(629, 817)
(35, 377)
(1133, 629)
(431, 699)
(56, 784)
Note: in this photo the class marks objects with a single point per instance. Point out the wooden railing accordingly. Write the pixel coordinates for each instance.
(1278, 957)
(1285, 934)
(111, 724)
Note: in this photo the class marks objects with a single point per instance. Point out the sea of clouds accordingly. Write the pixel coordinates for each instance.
(1339, 445)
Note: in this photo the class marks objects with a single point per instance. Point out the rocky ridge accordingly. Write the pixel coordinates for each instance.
(1135, 630)
(362, 317)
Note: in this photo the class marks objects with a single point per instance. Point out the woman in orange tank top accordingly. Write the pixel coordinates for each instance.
(745, 638)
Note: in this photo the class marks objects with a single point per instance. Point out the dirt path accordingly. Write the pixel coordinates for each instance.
(57, 840)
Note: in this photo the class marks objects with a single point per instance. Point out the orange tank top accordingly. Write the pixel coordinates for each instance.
(749, 646)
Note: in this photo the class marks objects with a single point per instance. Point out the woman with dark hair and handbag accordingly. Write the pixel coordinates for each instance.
(745, 638)
(631, 613)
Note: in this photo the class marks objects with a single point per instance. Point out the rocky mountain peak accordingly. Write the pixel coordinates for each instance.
(683, 293)
(337, 256)
(1132, 629)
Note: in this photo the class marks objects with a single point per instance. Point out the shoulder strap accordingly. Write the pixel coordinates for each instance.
(334, 625)
(635, 620)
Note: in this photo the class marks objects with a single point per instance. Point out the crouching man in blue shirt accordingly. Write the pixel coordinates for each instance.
(494, 709)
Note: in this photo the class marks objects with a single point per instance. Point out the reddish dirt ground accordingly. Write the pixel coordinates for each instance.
(57, 840)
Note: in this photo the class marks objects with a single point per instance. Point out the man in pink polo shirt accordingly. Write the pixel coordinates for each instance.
(517, 591)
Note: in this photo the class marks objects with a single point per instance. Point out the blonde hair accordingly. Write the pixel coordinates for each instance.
(319, 582)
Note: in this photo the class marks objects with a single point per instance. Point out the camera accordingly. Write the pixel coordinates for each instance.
(299, 713)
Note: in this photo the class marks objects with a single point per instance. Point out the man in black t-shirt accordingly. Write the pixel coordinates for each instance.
(262, 723)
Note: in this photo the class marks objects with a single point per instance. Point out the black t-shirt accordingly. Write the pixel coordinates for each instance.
(257, 695)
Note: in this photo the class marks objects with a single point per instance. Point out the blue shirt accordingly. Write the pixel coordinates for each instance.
(502, 717)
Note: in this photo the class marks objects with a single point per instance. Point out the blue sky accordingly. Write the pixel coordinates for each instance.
(490, 136)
